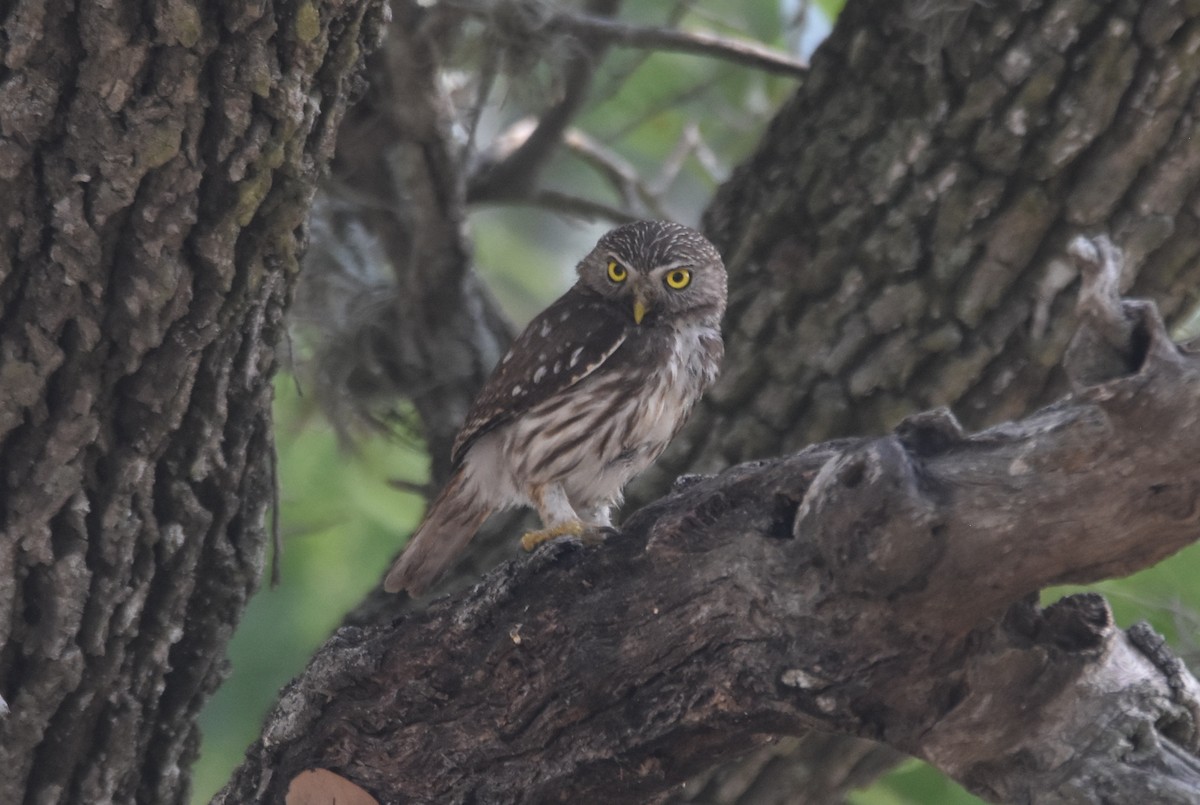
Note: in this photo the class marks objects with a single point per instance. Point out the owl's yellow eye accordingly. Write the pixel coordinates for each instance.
(616, 271)
(679, 278)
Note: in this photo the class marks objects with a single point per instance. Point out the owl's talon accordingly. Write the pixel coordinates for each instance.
(531, 540)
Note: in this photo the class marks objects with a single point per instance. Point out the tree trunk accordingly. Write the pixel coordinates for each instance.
(897, 238)
(156, 170)
(879, 588)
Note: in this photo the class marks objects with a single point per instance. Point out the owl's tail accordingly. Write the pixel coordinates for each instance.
(451, 521)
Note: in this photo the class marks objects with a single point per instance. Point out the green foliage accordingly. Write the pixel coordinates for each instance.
(831, 8)
(914, 783)
(526, 273)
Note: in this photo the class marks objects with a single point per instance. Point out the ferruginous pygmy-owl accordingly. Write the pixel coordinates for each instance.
(588, 396)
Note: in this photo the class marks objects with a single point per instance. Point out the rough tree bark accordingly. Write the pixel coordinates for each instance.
(883, 588)
(895, 244)
(157, 163)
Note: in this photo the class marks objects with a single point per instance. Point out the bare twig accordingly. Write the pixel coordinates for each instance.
(487, 79)
(421, 489)
(682, 96)
(624, 176)
(738, 51)
(636, 195)
(675, 160)
(517, 174)
(617, 170)
(710, 162)
(587, 209)
(593, 27)
(617, 77)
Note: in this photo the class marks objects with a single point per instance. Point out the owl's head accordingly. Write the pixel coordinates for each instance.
(658, 271)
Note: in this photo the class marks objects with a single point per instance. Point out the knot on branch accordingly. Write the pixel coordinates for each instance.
(931, 432)
(1077, 623)
(1115, 336)
(871, 519)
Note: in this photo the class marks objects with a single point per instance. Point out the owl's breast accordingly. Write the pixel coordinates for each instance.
(685, 364)
(596, 435)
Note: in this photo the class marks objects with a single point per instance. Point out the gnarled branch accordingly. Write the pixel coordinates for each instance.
(879, 588)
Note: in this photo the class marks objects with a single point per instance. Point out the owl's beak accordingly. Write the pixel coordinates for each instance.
(639, 309)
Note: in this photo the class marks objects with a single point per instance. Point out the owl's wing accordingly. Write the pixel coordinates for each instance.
(564, 344)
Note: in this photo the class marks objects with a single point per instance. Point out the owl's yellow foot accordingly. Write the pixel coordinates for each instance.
(535, 538)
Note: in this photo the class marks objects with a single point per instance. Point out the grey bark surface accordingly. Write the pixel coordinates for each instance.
(881, 588)
(156, 170)
(909, 210)
(895, 243)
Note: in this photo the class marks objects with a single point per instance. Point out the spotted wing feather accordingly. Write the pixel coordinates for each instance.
(568, 341)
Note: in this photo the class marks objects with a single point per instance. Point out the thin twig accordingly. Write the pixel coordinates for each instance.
(614, 32)
(619, 172)
(487, 79)
(657, 106)
(517, 174)
(709, 161)
(619, 75)
(574, 206)
(424, 490)
(739, 51)
(675, 160)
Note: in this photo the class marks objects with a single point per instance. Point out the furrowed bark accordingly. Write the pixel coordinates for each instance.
(897, 241)
(156, 169)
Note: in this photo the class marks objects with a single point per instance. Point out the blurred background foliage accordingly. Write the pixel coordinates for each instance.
(344, 514)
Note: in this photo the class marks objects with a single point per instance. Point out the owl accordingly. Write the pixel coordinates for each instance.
(587, 397)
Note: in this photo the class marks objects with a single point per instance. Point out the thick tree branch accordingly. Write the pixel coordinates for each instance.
(878, 588)
(907, 249)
